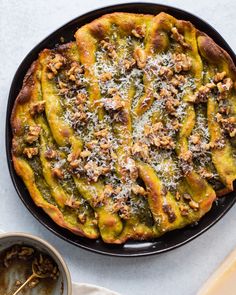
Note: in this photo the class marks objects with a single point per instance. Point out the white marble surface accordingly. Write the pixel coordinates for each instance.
(22, 25)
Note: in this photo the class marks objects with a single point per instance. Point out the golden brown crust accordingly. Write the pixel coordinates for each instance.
(23, 97)
(214, 53)
(126, 22)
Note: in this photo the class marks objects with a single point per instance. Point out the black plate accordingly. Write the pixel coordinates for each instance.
(130, 249)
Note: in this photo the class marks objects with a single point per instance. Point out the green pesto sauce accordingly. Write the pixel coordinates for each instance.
(70, 188)
(141, 210)
(70, 214)
(42, 186)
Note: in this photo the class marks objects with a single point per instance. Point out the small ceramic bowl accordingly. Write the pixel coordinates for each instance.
(64, 284)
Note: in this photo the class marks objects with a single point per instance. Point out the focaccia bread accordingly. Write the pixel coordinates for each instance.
(127, 132)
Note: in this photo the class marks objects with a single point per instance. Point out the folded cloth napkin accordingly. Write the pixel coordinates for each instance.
(87, 289)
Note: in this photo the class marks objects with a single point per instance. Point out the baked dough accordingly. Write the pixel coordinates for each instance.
(127, 132)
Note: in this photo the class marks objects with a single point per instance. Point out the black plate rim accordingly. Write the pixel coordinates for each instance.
(101, 11)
